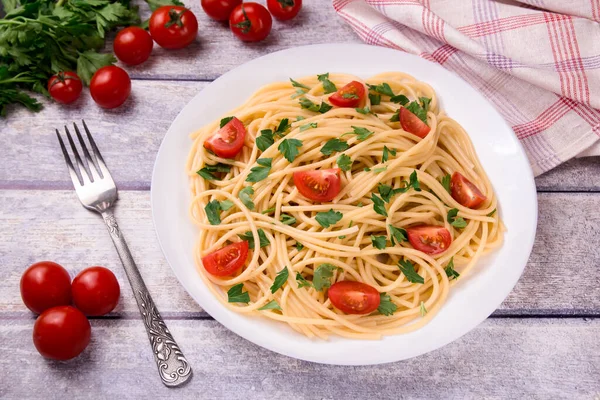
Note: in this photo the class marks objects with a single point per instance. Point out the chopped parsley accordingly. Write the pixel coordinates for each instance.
(397, 235)
(265, 140)
(425, 102)
(450, 271)
(300, 118)
(415, 108)
(280, 279)
(299, 92)
(260, 172)
(375, 99)
(298, 84)
(289, 148)
(326, 219)
(322, 276)
(382, 88)
(301, 281)
(387, 192)
(400, 99)
(344, 162)
(309, 105)
(235, 294)
(287, 219)
(367, 169)
(378, 205)
(362, 133)
(250, 238)
(446, 182)
(283, 126)
(386, 154)
(408, 269)
(213, 212)
(386, 306)
(423, 309)
(225, 204)
(364, 110)
(272, 305)
(207, 172)
(454, 220)
(299, 246)
(334, 145)
(396, 116)
(379, 242)
(244, 196)
(328, 86)
(268, 210)
(491, 213)
(308, 126)
(225, 121)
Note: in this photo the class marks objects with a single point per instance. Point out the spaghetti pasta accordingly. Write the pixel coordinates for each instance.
(391, 181)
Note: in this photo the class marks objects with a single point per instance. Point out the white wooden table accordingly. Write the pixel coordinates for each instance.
(543, 342)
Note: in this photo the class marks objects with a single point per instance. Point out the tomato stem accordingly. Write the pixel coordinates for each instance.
(245, 25)
(175, 18)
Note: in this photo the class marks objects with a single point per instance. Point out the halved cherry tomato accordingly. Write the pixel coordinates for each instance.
(250, 22)
(351, 95)
(45, 285)
(429, 239)
(465, 192)
(354, 297)
(228, 141)
(284, 9)
(61, 333)
(413, 124)
(226, 260)
(318, 185)
(219, 10)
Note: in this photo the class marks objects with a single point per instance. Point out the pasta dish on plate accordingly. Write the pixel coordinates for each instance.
(339, 206)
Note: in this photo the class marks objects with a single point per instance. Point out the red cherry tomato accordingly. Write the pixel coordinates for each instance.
(413, 124)
(133, 45)
(96, 291)
(65, 87)
(226, 260)
(429, 239)
(351, 95)
(228, 141)
(219, 10)
(318, 185)
(61, 333)
(465, 192)
(354, 297)
(284, 9)
(45, 285)
(110, 86)
(173, 27)
(250, 22)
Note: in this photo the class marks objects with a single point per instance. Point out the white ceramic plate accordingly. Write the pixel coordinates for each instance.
(471, 301)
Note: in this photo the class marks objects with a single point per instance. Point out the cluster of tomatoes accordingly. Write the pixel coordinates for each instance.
(62, 331)
(251, 22)
(171, 27)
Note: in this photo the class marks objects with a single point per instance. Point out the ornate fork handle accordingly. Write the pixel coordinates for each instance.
(173, 367)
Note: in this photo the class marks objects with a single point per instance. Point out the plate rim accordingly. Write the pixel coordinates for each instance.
(265, 343)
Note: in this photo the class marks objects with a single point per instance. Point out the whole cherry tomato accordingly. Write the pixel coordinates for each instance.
(133, 45)
(96, 291)
(250, 22)
(173, 27)
(61, 333)
(65, 87)
(284, 9)
(110, 86)
(45, 285)
(219, 10)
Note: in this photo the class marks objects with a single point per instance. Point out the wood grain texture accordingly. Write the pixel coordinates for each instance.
(562, 276)
(129, 138)
(501, 359)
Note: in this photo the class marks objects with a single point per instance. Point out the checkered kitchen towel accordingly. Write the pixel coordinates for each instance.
(537, 61)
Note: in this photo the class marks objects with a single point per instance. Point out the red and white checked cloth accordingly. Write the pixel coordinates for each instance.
(536, 61)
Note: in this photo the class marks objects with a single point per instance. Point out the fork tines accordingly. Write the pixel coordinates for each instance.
(90, 170)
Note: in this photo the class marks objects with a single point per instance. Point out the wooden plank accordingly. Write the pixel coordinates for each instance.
(561, 278)
(130, 137)
(520, 358)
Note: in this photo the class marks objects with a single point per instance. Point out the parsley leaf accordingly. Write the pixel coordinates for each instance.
(419, 111)
(272, 305)
(90, 61)
(423, 309)
(379, 241)
(283, 126)
(301, 281)
(367, 169)
(326, 219)
(397, 235)
(299, 92)
(308, 126)
(324, 107)
(322, 276)
(226, 205)
(154, 4)
(450, 271)
(280, 279)
(491, 213)
(344, 162)
(382, 88)
(213, 212)
(260, 172)
(244, 196)
(224, 121)
(309, 105)
(235, 294)
(396, 116)
(446, 182)
(386, 154)
(298, 84)
(457, 222)
(408, 269)
(300, 118)
(328, 86)
(263, 240)
(414, 181)
(268, 210)
(364, 110)
(401, 99)
(425, 103)
(375, 99)
(378, 205)
(362, 133)
(334, 145)
(386, 306)
(289, 148)
(287, 219)
(207, 172)
(265, 140)
(299, 246)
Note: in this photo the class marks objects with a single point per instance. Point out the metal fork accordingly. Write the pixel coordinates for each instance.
(97, 192)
